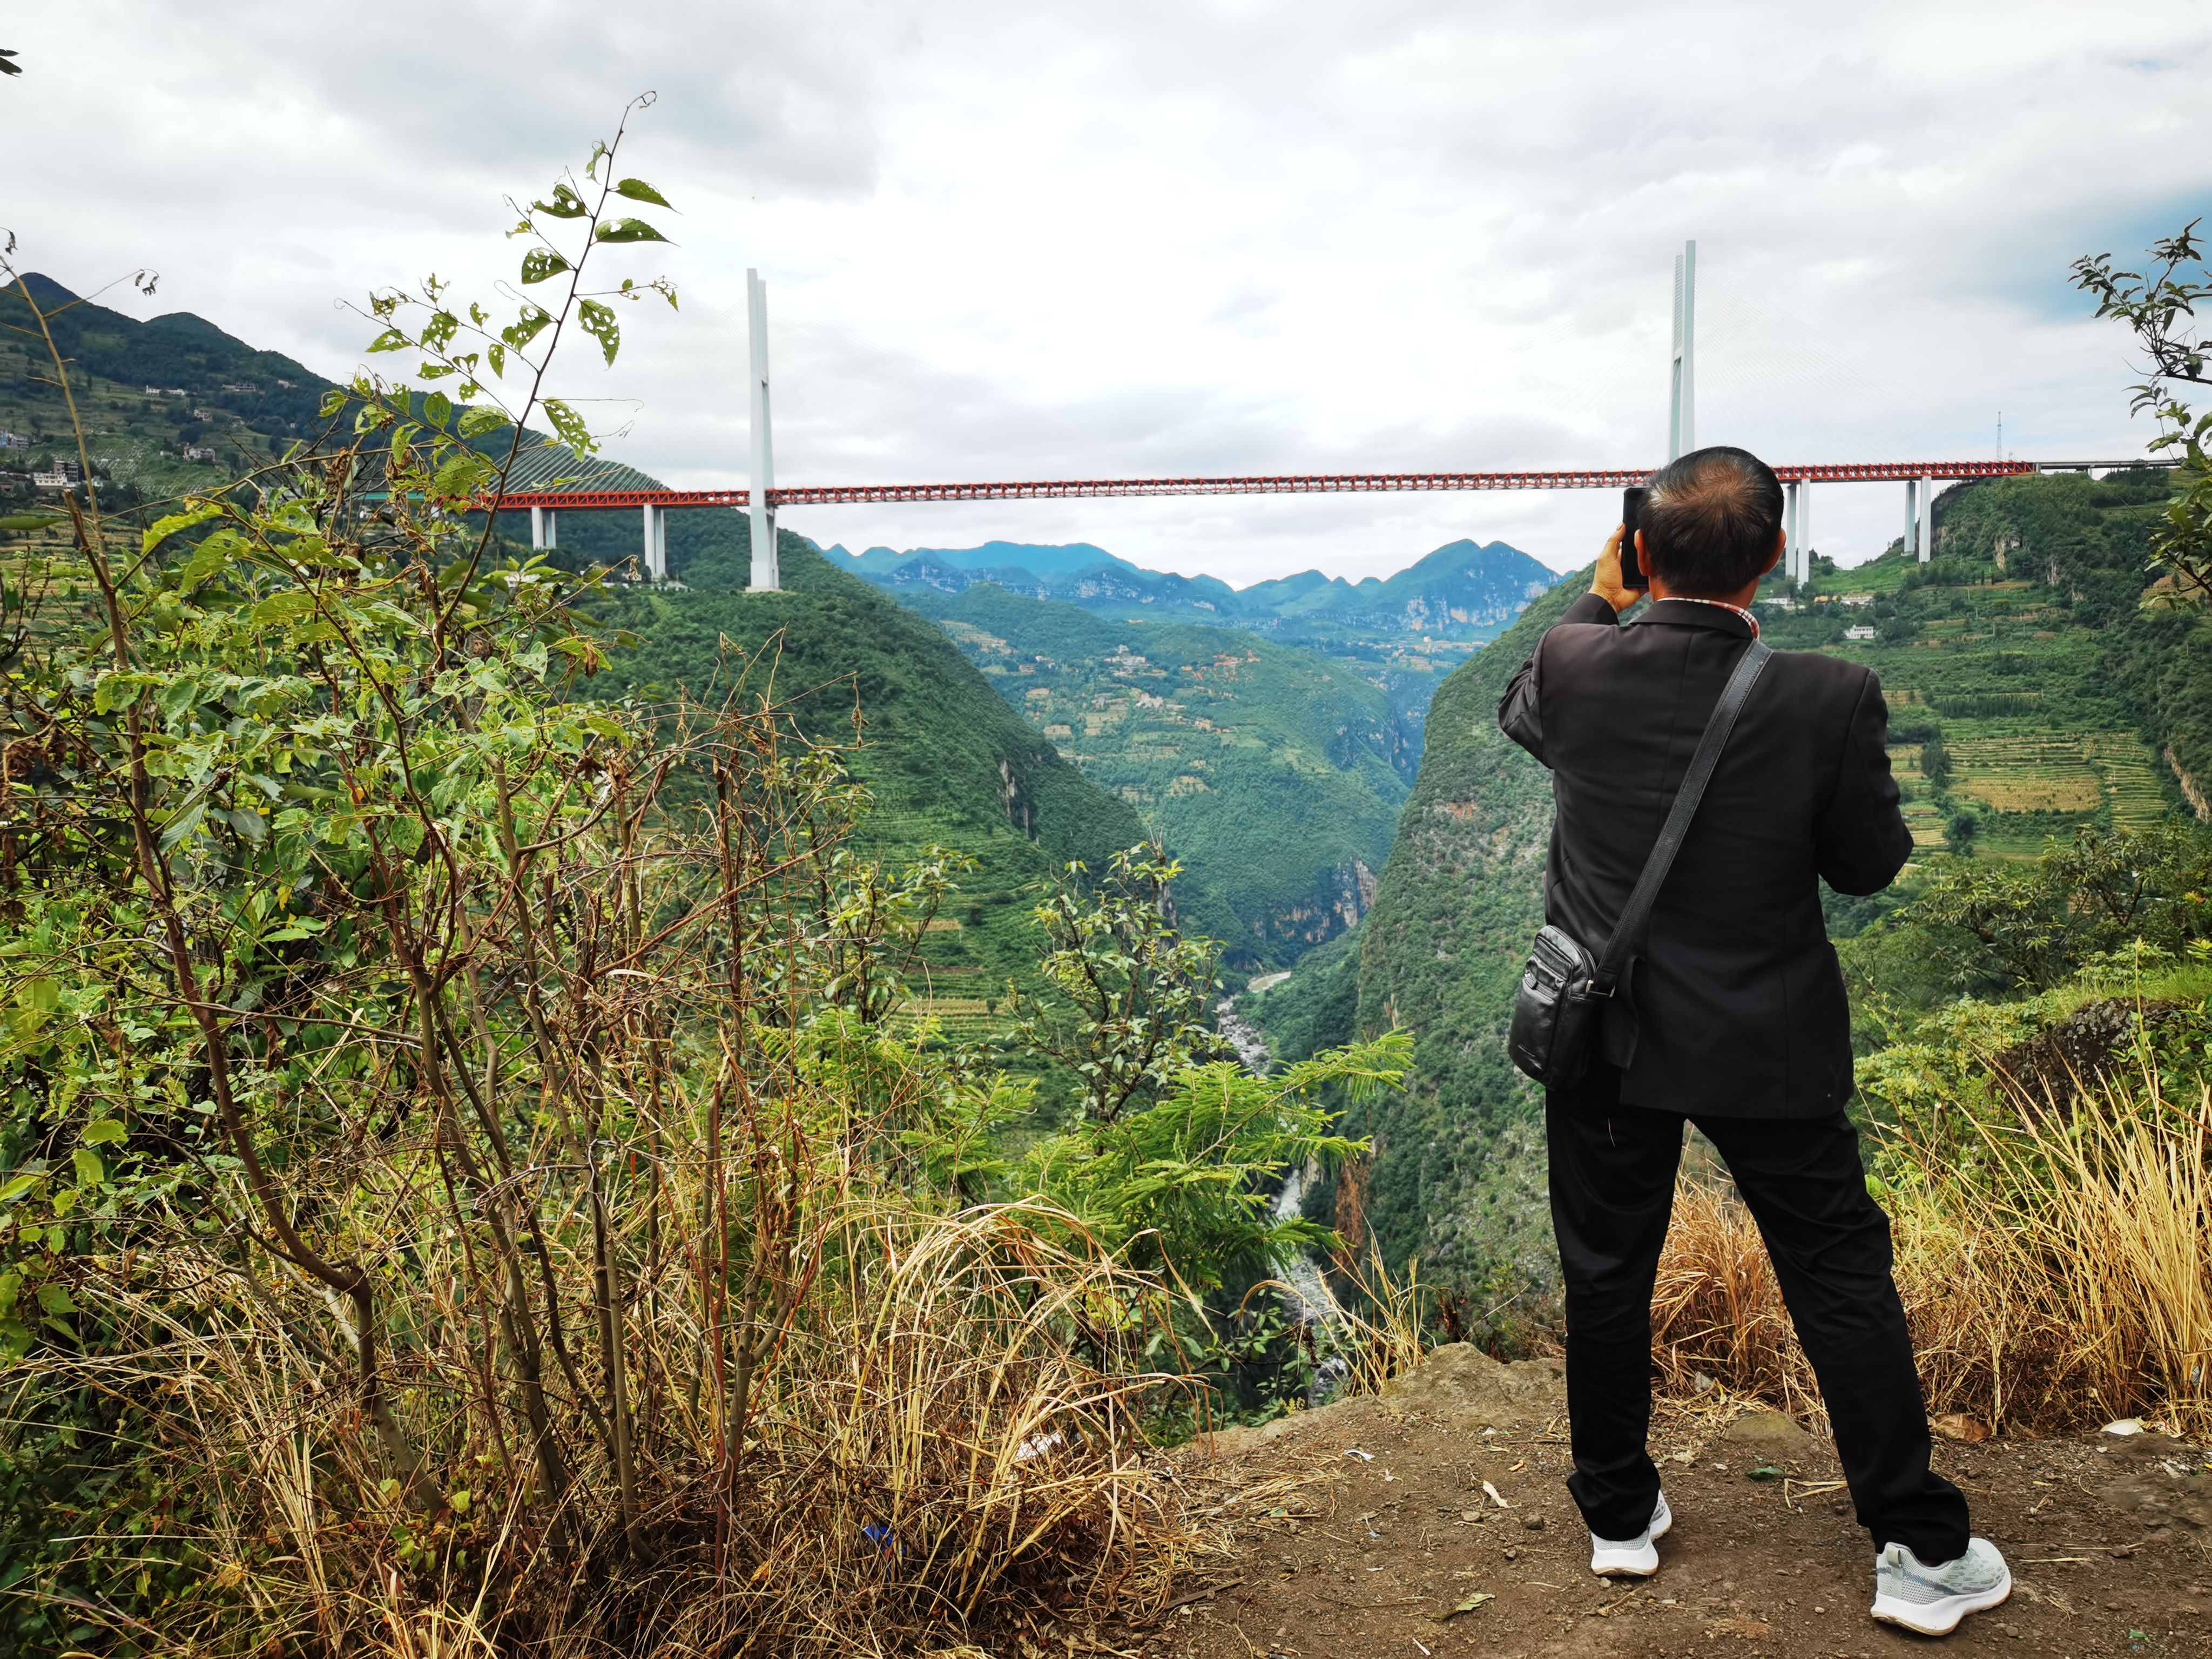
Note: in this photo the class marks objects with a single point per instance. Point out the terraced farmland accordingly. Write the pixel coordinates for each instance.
(1922, 816)
(2135, 793)
(2036, 734)
(2029, 773)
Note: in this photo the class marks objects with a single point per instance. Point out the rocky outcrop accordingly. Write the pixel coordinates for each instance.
(1458, 1382)
(1460, 1379)
(2097, 1041)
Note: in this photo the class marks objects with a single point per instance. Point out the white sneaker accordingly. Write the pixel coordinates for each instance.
(1637, 1557)
(1933, 1600)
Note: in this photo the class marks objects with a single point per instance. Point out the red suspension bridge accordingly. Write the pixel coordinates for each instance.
(1289, 483)
(602, 486)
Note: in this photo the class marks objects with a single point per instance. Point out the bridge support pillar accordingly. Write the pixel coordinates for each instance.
(1805, 531)
(1926, 517)
(767, 573)
(1911, 538)
(552, 527)
(656, 542)
(1793, 543)
(537, 528)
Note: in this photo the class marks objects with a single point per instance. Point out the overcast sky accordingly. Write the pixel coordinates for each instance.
(1013, 241)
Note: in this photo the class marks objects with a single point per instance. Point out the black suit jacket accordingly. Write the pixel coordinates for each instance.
(1736, 1006)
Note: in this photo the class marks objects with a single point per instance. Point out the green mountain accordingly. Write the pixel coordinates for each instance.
(1403, 632)
(147, 391)
(947, 761)
(1275, 773)
(174, 405)
(1463, 590)
(2031, 692)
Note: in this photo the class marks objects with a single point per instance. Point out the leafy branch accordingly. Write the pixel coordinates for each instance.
(2159, 303)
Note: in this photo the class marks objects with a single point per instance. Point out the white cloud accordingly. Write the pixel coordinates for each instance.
(1021, 242)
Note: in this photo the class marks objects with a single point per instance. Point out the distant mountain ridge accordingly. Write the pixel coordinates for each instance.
(1464, 591)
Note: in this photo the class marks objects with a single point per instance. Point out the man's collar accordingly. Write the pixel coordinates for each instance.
(1700, 613)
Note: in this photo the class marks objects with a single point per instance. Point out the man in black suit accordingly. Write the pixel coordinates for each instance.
(1733, 1016)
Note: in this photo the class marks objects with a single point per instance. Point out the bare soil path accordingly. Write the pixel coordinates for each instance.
(1388, 1514)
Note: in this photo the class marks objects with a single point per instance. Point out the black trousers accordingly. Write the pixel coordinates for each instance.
(1612, 1190)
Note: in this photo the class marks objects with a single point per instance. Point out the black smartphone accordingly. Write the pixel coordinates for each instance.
(1631, 568)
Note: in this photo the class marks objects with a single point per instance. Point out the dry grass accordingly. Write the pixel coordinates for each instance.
(940, 1452)
(2063, 1277)
(1716, 1310)
(1381, 1334)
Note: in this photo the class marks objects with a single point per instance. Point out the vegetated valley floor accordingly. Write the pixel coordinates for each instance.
(1377, 1526)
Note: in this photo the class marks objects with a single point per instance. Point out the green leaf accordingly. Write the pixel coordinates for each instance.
(90, 1171)
(541, 263)
(526, 327)
(628, 230)
(21, 1184)
(286, 605)
(55, 1298)
(118, 689)
(183, 825)
(210, 557)
(599, 321)
(464, 474)
(637, 189)
(571, 425)
(475, 422)
(438, 408)
(104, 1131)
(390, 340)
(163, 528)
(565, 204)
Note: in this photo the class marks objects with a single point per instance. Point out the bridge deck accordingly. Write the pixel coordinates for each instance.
(1274, 484)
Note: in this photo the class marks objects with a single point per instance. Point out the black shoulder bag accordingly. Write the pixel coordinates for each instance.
(1555, 1013)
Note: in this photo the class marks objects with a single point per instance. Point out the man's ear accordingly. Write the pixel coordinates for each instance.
(1781, 546)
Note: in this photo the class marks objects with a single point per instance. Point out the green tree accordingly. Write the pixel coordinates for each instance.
(1129, 1006)
(1981, 928)
(1182, 1185)
(2159, 304)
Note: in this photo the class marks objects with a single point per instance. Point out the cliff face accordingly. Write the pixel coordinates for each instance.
(1457, 1174)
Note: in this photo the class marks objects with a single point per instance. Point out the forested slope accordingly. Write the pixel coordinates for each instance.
(947, 761)
(1454, 1175)
(1274, 774)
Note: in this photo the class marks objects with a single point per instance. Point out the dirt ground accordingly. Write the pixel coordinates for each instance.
(1365, 1525)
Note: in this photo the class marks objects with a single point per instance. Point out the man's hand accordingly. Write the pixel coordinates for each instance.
(1606, 583)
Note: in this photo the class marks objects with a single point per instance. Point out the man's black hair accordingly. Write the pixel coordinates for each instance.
(1710, 520)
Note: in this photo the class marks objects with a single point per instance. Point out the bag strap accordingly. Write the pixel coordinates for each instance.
(1637, 911)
